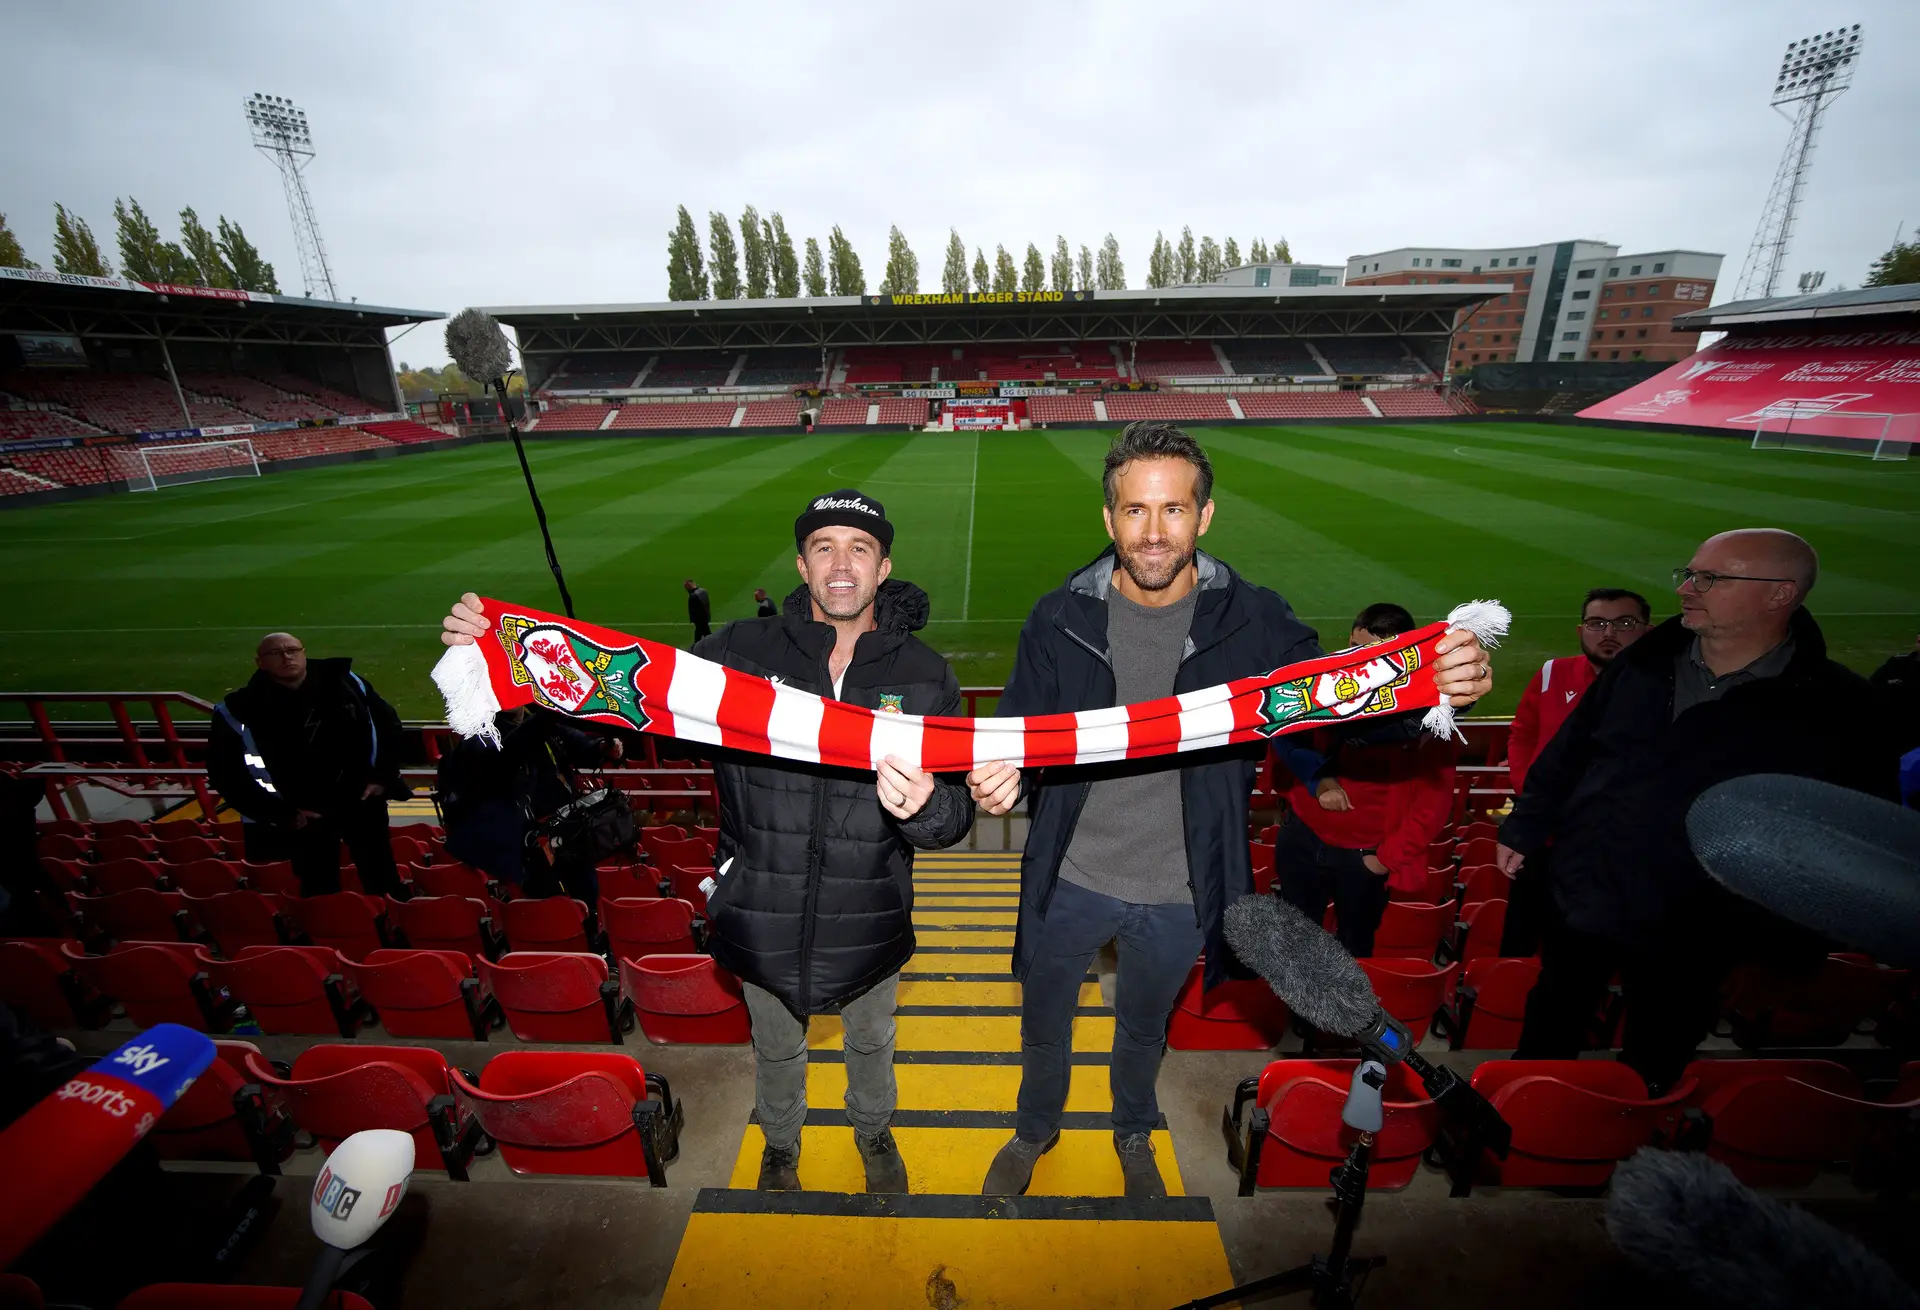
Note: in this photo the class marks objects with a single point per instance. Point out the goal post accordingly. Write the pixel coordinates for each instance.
(1876, 436)
(148, 468)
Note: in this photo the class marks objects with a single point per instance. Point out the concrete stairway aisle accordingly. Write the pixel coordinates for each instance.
(1072, 1241)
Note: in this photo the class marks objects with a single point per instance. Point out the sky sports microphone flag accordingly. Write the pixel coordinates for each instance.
(54, 1153)
(588, 672)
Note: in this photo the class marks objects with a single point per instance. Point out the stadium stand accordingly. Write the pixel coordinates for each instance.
(694, 368)
(300, 443)
(772, 414)
(336, 1090)
(253, 397)
(1369, 355)
(338, 401)
(18, 482)
(676, 415)
(1175, 407)
(1168, 359)
(843, 412)
(572, 418)
(1061, 409)
(685, 998)
(26, 424)
(779, 368)
(1418, 402)
(1283, 355)
(596, 371)
(1296, 404)
(111, 402)
(404, 431)
(902, 409)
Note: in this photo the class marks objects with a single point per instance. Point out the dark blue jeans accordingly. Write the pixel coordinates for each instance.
(1157, 945)
(1309, 873)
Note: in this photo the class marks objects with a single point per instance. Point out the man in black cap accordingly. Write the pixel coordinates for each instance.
(814, 904)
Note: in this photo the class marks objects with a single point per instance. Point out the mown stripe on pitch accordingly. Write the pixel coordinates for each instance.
(872, 1205)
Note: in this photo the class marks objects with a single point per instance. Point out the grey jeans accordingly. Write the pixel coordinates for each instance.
(780, 1062)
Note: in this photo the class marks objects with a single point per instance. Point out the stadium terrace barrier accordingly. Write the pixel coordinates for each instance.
(155, 741)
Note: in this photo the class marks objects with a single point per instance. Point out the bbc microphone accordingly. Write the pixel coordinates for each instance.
(1311, 971)
(1838, 861)
(52, 1155)
(358, 1189)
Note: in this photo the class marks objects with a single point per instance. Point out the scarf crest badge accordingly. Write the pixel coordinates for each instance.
(1370, 689)
(568, 672)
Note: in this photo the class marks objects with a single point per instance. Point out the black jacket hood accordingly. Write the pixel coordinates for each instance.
(899, 607)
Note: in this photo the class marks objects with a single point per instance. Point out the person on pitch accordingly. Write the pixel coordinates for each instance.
(699, 610)
(1362, 813)
(814, 904)
(1611, 619)
(1146, 853)
(309, 754)
(1737, 683)
(763, 606)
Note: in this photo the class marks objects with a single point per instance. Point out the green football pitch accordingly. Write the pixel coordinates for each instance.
(171, 589)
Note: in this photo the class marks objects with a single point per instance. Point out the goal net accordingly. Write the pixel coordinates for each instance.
(1813, 426)
(150, 467)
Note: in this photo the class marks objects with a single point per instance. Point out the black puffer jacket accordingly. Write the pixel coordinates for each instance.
(1612, 789)
(1062, 666)
(320, 744)
(818, 904)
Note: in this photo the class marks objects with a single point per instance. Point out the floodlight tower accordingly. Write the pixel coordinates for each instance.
(280, 133)
(1813, 72)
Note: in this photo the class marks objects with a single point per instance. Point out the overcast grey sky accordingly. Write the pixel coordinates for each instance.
(533, 153)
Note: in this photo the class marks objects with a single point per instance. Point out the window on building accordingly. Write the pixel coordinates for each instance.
(1619, 333)
(1584, 293)
(1614, 271)
(1449, 263)
(1634, 271)
(1659, 268)
(1483, 320)
(1476, 358)
(1638, 355)
(1614, 355)
(1575, 315)
(1429, 263)
(1647, 312)
(1583, 274)
(1449, 281)
(1569, 336)
(1532, 260)
(1639, 332)
(1565, 354)
(1526, 279)
(1626, 291)
(1513, 261)
(1476, 268)
(1653, 288)
(1263, 276)
(1496, 338)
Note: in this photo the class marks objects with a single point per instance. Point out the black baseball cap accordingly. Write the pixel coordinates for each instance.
(845, 508)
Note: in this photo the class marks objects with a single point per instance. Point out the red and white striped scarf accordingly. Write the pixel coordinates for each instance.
(593, 673)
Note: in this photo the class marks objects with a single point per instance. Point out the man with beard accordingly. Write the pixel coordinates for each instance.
(814, 904)
(1144, 853)
(1611, 619)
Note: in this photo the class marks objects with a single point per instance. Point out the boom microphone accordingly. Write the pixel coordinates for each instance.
(479, 347)
(1309, 970)
(1685, 1216)
(52, 1155)
(1838, 861)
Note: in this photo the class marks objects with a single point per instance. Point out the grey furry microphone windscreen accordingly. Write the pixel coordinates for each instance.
(478, 346)
(1838, 861)
(1305, 965)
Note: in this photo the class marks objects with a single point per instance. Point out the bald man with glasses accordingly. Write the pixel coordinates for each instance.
(1737, 683)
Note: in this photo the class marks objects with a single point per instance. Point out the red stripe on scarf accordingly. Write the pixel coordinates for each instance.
(745, 708)
(846, 737)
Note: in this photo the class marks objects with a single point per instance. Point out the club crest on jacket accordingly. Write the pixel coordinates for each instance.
(890, 703)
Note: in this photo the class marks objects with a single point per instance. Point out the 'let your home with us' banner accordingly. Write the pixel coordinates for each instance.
(577, 669)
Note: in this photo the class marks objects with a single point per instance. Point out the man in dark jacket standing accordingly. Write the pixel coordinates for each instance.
(699, 610)
(1146, 853)
(763, 606)
(1738, 683)
(813, 908)
(308, 753)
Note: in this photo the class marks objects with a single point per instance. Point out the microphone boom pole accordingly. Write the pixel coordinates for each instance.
(533, 493)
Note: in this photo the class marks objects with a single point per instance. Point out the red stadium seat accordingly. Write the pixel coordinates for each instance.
(550, 996)
(691, 851)
(335, 1091)
(1776, 1123)
(1411, 930)
(189, 846)
(1238, 1015)
(39, 981)
(636, 929)
(1484, 882)
(425, 993)
(409, 850)
(1765, 1008)
(352, 923)
(239, 919)
(275, 876)
(1489, 1006)
(684, 882)
(60, 827)
(629, 882)
(291, 989)
(63, 846)
(1572, 1120)
(447, 878)
(66, 875)
(444, 923)
(1409, 990)
(1477, 934)
(430, 834)
(208, 877)
(118, 828)
(154, 982)
(142, 915)
(110, 877)
(232, 1296)
(1476, 847)
(202, 1124)
(575, 1112)
(1294, 1137)
(122, 846)
(547, 923)
(685, 999)
(1261, 853)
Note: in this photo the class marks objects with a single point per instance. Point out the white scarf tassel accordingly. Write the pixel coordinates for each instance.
(462, 678)
(1486, 619)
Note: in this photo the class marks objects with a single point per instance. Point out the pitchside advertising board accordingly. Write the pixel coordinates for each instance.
(1863, 386)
